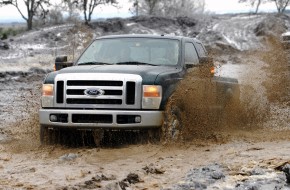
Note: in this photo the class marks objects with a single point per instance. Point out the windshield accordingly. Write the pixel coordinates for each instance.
(137, 51)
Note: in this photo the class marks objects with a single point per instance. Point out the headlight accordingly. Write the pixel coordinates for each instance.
(152, 95)
(47, 90)
(47, 95)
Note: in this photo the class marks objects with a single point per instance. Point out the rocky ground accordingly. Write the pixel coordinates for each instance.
(251, 154)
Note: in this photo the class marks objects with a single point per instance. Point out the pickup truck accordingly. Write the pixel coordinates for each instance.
(121, 82)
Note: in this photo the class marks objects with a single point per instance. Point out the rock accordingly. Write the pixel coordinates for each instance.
(201, 178)
(68, 157)
(90, 185)
(286, 170)
(4, 45)
(113, 186)
(104, 178)
(190, 185)
(154, 169)
(217, 175)
(123, 185)
(257, 171)
(132, 178)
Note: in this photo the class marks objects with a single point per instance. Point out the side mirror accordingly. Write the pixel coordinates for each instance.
(61, 62)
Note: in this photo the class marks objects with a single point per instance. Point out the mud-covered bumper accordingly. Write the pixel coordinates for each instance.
(93, 119)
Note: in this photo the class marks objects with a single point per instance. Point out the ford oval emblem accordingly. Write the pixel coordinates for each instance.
(94, 92)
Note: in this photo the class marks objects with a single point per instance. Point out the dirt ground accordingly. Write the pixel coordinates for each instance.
(246, 152)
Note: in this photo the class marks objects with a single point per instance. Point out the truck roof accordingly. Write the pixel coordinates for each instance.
(147, 36)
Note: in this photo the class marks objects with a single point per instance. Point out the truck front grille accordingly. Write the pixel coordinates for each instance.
(116, 91)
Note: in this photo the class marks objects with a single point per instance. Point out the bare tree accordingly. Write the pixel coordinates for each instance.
(281, 5)
(71, 6)
(181, 8)
(55, 15)
(88, 7)
(150, 6)
(135, 7)
(171, 8)
(253, 3)
(33, 7)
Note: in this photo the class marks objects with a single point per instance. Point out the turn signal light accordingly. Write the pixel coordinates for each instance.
(212, 70)
(151, 91)
(47, 89)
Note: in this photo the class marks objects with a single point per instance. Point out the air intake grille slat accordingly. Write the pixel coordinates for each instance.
(81, 92)
(130, 93)
(93, 83)
(93, 101)
(59, 92)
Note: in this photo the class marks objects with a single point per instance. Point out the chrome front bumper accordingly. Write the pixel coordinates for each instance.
(149, 119)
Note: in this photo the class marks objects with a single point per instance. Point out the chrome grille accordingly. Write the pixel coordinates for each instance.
(118, 90)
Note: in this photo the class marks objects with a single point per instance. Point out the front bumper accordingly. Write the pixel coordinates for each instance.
(149, 119)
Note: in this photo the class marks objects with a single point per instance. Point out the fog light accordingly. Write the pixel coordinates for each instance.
(53, 118)
(138, 119)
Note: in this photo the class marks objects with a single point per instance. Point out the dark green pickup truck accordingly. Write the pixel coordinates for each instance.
(121, 82)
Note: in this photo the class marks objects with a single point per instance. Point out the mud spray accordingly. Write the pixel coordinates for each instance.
(264, 83)
(23, 130)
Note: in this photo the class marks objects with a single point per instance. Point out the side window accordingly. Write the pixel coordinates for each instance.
(200, 50)
(191, 56)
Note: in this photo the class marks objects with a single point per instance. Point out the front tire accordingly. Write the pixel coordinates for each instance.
(172, 129)
(44, 134)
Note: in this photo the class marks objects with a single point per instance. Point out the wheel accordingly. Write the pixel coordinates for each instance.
(44, 135)
(172, 128)
(154, 135)
(49, 136)
(98, 135)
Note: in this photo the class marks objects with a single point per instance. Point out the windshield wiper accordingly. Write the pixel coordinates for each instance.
(134, 63)
(94, 63)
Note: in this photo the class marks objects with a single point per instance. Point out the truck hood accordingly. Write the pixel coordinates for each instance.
(147, 72)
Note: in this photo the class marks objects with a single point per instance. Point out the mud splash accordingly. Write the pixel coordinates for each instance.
(277, 60)
(264, 87)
